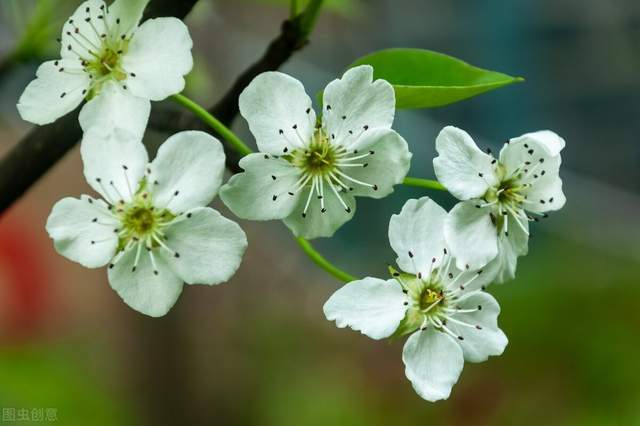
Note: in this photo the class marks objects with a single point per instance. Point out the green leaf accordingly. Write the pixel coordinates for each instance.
(426, 79)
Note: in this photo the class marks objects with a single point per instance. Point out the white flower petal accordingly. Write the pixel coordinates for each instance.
(53, 93)
(209, 247)
(278, 111)
(355, 101)
(372, 306)
(418, 229)
(509, 249)
(473, 279)
(489, 340)
(433, 362)
(158, 58)
(147, 289)
(386, 167)
(114, 163)
(81, 33)
(250, 195)
(471, 235)
(116, 108)
(461, 167)
(316, 223)
(187, 171)
(533, 152)
(83, 231)
(545, 194)
(125, 15)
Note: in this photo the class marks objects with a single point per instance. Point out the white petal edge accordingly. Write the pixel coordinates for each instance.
(461, 166)
(82, 231)
(115, 108)
(114, 163)
(372, 306)
(159, 55)
(210, 247)
(433, 362)
(418, 229)
(187, 171)
(53, 93)
(471, 235)
(278, 111)
(355, 102)
(144, 290)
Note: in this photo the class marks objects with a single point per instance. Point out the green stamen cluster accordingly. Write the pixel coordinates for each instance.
(318, 159)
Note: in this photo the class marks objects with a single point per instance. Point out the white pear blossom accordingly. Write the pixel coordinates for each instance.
(115, 65)
(307, 173)
(500, 196)
(443, 308)
(152, 228)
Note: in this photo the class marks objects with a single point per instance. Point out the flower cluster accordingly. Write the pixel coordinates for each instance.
(154, 231)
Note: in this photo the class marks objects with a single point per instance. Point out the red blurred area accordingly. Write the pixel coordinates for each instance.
(25, 272)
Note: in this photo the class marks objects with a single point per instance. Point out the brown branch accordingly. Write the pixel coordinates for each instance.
(45, 145)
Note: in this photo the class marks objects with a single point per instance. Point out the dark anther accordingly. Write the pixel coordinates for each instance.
(479, 307)
(275, 197)
(526, 146)
(95, 219)
(365, 165)
(542, 201)
(125, 167)
(290, 193)
(480, 174)
(419, 275)
(406, 303)
(372, 152)
(87, 10)
(323, 210)
(365, 127)
(319, 197)
(328, 107)
(273, 177)
(410, 254)
(285, 149)
(466, 266)
(117, 20)
(111, 266)
(450, 275)
(333, 136)
(375, 187)
(87, 20)
(176, 193)
(344, 117)
(133, 74)
(478, 327)
(295, 126)
(63, 94)
(542, 173)
(530, 152)
(348, 209)
(493, 161)
(308, 110)
(189, 215)
(93, 242)
(350, 132)
(460, 338)
(551, 200)
(155, 272)
(478, 206)
(266, 157)
(304, 214)
(176, 254)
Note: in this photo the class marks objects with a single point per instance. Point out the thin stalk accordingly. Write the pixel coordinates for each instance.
(214, 123)
(423, 183)
(323, 263)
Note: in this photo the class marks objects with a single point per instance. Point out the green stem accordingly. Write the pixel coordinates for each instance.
(319, 260)
(243, 149)
(215, 124)
(423, 183)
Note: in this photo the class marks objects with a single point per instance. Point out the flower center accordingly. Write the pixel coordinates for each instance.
(433, 297)
(319, 158)
(326, 167)
(98, 42)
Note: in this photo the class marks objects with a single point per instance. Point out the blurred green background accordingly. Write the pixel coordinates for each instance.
(257, 350)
